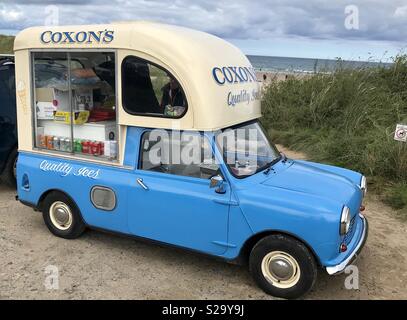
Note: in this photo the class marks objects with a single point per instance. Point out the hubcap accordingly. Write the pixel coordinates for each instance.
(61, 215)
(281, 269)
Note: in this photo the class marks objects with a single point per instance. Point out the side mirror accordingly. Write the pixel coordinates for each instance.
(218, 182)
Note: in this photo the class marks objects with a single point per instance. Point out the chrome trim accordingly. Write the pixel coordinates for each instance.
(341, 267)
(69, 80)
(106, 189)
(61, 215)
(218, 182)
(280, 269)
(34, 120)
(78, 158)
(345, 221)
(141, 183)
(363, 185)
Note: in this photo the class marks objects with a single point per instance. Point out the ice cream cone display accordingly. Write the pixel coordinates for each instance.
(22, 96)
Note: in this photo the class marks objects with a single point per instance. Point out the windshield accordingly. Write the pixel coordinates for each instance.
(246, 149)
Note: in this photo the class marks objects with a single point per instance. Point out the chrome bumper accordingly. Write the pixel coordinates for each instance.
(341, 267)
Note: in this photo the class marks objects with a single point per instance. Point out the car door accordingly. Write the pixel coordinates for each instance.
(173, 202)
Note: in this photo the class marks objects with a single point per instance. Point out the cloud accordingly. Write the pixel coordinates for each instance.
(232, 19)
(401, 12)
(11, 15)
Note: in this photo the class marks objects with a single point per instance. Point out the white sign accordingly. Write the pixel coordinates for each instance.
(65, 169)
(45, 110)
(401, 133)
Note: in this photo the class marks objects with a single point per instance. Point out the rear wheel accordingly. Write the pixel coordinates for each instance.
(62, 216)
(9, 173)
(283, 267)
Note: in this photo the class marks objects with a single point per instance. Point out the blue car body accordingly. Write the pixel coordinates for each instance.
(299, 198)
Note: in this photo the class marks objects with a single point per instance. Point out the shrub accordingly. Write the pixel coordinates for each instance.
(6, 44)
(346, 118)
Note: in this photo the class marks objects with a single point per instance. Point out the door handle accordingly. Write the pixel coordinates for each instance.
(141, 183)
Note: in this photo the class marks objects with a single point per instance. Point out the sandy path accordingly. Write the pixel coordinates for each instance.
(100, 265)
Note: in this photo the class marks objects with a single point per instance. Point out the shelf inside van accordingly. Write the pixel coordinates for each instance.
(99, 131)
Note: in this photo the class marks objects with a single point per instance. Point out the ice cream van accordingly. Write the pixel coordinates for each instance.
(153, 131)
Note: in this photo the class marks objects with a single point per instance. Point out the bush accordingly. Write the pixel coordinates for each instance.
(346, 118)
(6, 44)
(397, 196)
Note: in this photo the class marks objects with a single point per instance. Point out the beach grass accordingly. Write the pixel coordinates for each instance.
(6, 44)
(347, 118)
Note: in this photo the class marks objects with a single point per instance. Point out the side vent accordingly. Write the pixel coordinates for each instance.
(103, 198)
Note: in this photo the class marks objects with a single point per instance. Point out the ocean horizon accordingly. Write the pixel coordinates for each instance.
(307, 65)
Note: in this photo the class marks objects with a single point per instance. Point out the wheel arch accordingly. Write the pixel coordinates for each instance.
(46, 193)
(249, 244)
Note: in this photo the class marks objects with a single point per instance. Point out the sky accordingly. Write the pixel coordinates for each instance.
(353, 30)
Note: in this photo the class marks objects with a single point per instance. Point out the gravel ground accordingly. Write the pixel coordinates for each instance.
(105, 266)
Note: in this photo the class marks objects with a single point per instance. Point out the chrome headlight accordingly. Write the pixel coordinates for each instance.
(363, 185)
(345, 221)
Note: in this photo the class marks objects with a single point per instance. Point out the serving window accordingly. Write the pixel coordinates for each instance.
(75, 103)
(150, 90)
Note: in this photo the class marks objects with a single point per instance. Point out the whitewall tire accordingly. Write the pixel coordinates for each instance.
(283, 266)
(62, 216)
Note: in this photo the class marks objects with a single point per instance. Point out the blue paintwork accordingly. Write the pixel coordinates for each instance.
(300, 198)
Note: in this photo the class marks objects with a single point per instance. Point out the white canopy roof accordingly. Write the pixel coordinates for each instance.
(216, 76)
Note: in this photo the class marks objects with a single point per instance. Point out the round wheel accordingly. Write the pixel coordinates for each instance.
(283, 267)
(62, 216)
(10, 170)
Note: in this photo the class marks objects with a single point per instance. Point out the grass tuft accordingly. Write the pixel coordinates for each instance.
(6, 44)
(347, 118)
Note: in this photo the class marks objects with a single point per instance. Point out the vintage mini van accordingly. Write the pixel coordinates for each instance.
(153, 131)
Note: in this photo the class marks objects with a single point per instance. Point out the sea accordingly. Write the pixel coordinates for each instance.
(307, 65)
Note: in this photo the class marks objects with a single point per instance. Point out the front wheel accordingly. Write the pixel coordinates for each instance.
(283, 267)
(62, 216)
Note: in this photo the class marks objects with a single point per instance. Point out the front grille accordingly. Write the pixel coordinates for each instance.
(348, 237)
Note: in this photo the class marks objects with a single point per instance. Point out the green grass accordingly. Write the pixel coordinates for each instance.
(6, 44)
(347, 119)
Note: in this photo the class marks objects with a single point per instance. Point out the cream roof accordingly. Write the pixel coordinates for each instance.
(190, 55)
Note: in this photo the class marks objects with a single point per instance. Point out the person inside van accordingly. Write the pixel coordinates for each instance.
(138, 91)
(173, 100)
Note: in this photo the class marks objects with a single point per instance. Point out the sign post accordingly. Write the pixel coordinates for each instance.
(401, 133)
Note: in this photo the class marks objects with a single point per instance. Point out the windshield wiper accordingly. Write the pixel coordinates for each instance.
(267, 171)
(270, 165)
